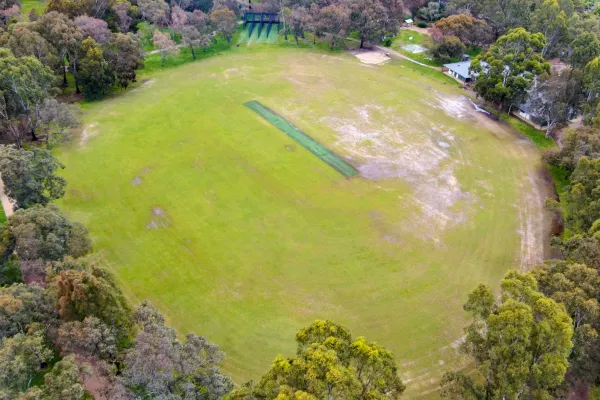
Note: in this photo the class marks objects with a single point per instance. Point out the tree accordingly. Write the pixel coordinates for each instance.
(334, 20)
(33, 15)
(22, 307)
(582, 248)
(591, 85)
(90, 337)
(179, 18)
(225, 23)
(91, 292)
(578, 288)
(582, 202)
(501, 15)
(369, 18)
(21, 357)
(124, 55)
(299, 22)
(432, 11)
(55, 119)
(64, 35)
(155, 11)
(550, 20)
(520, 344)
(585, 47)
(30, 176)
(549, 98)
(23, 41)
(121, 8)
(330, 364)
(24, 84)
(469, 30)
(43, 233)
(509, 68)
(74, 8)
(166, 46)
(199, 20)
(94, 28)
(190, 36)
(94, 72)
(449, 48)
(64, 381)
(160, 365)
(578, 143)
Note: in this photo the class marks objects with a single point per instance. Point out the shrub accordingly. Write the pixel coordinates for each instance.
(387, 42)
(422, 24)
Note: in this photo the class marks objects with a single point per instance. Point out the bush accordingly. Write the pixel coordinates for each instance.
(422, 24)
(450, 47)
(387, 42)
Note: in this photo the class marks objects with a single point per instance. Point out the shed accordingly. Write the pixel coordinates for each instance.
(409, 21)
(459, 70)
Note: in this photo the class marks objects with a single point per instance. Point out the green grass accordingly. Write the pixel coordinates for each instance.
(303, 139)
(538, 137)
(38, 379)
(28, 5)
(3, 218)
(406, 37)
(238, 233)
(560, 177)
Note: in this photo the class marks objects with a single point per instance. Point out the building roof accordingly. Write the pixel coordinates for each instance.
(461, 68)
(408, 21)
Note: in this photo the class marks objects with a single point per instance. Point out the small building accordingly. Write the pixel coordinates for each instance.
(409, 21)
(459, 70)
(526, 113)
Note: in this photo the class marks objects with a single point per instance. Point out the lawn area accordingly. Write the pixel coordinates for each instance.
(28, 5)
(407, 37)
(238, 233)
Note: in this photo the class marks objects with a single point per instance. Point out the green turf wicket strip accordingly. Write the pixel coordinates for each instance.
(309, 143)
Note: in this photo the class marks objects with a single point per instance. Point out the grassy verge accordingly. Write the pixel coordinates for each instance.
(538, 137)
(430, 73)
(3, 218)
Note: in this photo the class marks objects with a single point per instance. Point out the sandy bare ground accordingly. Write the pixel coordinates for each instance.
(7, 204)
(371, 57)
(88, 131)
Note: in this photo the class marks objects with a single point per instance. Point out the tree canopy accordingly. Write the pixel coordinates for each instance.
(520, 344)
(509, 68)
(329, 364)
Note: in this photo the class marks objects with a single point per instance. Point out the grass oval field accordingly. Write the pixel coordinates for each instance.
(239, 234)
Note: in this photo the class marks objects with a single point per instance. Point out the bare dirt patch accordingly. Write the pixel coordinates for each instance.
(533, 229)
(414, 48)
(136, 181)
(371, 57)
(159, 219)
(148, 83)
(396, 149)
(7, 204)
(88, 131)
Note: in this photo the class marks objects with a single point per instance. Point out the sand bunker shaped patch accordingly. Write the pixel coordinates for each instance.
(328, 156)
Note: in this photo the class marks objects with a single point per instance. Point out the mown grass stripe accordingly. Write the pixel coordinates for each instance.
(328, 156)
